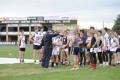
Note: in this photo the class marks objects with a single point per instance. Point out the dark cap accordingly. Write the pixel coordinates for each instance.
(49, 28)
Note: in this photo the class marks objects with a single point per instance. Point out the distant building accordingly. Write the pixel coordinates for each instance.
(10, 26)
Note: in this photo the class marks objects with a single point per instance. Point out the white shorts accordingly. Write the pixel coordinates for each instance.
(55, 51)
(99, 50)
(94, 50)
(66, 49)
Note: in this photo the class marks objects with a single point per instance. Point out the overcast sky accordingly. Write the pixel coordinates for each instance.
(88, 12)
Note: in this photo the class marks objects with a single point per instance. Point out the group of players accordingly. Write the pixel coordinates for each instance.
(83, 47)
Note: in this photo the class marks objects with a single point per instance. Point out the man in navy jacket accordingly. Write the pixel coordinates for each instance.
(47, 42)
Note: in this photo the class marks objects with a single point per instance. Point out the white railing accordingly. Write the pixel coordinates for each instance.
(13, 33)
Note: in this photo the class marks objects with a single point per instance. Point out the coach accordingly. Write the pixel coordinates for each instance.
(47, 42)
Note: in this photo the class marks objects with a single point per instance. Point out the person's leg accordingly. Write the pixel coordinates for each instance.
(100, 57)
(112, 59)
(40, 55)
(34, 52)
(115, 58)
(60, 55)
(104, 58)
(74, 61)
(44, 58)
(91, 57)
(119, 57)
(77, 61)
(67, 56)
(69, 51)
(34, 55)
(23, 56)
(75, 58)
(20, 57)
(84, 57)
(107, 64)
(94, 60)
(48, 56)
(63, 57)
(81, 58)
(88, 57)
(113, 62)
(57, 60)
(42, 50)
(52, 58)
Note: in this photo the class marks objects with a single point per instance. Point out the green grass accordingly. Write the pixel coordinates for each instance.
(6, 50)
(35, 72)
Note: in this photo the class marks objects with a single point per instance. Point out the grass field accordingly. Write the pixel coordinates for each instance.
(35, 72)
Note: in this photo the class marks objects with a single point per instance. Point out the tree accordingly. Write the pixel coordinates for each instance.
(116, 26)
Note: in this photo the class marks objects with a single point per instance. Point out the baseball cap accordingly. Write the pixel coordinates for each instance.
(49, 28)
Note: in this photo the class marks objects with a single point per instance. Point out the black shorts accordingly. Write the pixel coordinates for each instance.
(22, 49)
(112, 52)
(118, 50)
(36, 47)
(88, 50)
(76, 51)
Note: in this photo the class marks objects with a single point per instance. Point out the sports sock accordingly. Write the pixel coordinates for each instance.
(20, 60)
(57, 64)
(34, 61)
(23, 60)
(52, 64)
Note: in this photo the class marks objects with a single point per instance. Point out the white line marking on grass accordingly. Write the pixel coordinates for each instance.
(13, 60)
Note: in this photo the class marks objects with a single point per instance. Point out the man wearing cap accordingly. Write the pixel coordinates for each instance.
(47, 42)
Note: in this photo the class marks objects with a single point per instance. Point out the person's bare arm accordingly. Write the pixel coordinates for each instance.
(102, 39)
(72, 40)
(68, 41)
(30, 38)
(116, 43)
(87, 41)
(18, 41)
(59, 43)
(80, 41)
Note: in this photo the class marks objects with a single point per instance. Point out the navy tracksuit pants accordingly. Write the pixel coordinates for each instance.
(46, 57)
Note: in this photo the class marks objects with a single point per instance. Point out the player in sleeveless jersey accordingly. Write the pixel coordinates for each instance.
(99, 46)
(106, 48)
(21, 45)
(40, 39)
(56, 50)
(65, 47)
(118, 49)
(75, 41)
(88, 45)
(36, 39)
(93, 49)
(113, 48)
